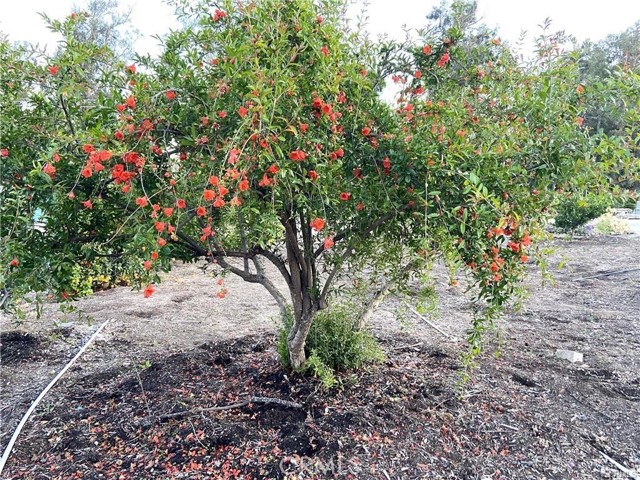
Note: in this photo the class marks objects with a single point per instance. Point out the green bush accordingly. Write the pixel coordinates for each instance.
(334, 344)
(575, 211)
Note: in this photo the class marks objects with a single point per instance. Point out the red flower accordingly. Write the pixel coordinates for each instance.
(579, 121)
(214, 180)
(4, 152)
(142, 202)
(170, 94)
(265, 181)
(131, 68)
(273, 169)
(297, 155)
(494, 267)
(218, 15)
(524, 258)
(87, 204)
(201, 211)
(49, 170)
(206, 232)
(14, 262)
(161, 242)
(86, 172)
(242, 111)
(317, 224)
(180, 203)
(386, 163)
(130, 102)
(118, 135)
(243, 186)
(154, 255)
(426, 49)
(444, 59)
(360, 206)
(222, 114)
(304, 127)
(222, 191)
(328, 243)
(148, 291)
(88, 148)
(313, 175)
(327, 109)
(53, 69)
(339, 152)
(325, 51)
(365, 131)
(209, 195)
(147, 265)
(159, 226)
(219, 202)
(56, 157)
(526, 240)
(344, 196)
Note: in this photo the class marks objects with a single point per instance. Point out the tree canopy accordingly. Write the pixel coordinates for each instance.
(258, 139)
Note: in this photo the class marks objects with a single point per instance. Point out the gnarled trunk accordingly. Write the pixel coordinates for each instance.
(297, 339)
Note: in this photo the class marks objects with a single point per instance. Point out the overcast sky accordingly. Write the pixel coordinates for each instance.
(592, 19)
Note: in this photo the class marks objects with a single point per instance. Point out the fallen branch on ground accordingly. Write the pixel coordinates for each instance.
(408, 346)
(432, 325)
(219, 408)
(622, 468)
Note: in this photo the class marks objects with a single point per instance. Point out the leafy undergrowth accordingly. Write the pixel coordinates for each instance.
(400, 419)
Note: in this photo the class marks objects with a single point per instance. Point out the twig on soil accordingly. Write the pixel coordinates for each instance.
(515, 429)
(606, 274)
(431, 324)
(265, 400)
(622, 468)
(408, 346)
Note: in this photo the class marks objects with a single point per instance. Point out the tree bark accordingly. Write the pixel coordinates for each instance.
(297, 339)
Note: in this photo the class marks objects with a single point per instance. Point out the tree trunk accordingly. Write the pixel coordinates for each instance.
(297, 340)
(374, 302)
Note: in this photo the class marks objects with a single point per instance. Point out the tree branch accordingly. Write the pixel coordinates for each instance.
(374, 225)
(67, 116)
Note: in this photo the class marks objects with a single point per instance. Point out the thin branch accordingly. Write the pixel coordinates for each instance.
(67, 115)
(370, 228)
(278, 262)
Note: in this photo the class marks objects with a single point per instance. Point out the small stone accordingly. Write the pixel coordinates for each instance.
(569, 355)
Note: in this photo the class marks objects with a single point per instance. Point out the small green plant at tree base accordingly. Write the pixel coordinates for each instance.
(576, 210)
(334, 344)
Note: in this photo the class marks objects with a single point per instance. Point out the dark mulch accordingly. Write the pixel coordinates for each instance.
(401, 419)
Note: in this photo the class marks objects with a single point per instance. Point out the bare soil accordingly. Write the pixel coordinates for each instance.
(524, 415)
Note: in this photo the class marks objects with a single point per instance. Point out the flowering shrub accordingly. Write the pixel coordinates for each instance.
(258, 137)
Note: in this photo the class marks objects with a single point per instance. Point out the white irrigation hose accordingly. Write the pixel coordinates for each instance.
(7, 451)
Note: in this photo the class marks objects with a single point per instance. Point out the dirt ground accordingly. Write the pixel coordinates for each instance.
(524, 415)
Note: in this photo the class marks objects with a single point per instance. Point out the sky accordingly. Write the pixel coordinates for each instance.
(592, 19)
